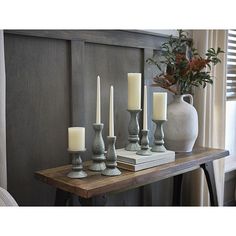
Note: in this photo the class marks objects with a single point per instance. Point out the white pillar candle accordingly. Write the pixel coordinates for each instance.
(76, 138)
(134, 91)
(159, 106)
(145, 127)
(98, 108)
(111, 113)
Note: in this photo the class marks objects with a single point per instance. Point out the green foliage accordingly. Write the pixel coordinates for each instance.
(184, 67)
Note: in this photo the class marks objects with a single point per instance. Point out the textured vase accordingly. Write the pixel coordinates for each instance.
(181, 128)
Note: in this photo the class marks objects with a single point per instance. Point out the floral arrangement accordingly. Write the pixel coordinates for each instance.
(181, 67)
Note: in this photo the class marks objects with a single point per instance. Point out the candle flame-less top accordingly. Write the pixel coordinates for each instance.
(134, 91)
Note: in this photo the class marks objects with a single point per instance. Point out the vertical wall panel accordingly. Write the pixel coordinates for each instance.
(3, 171)
(112, 63)
(38, 82)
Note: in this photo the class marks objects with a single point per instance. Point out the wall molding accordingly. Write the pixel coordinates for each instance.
(122, 38)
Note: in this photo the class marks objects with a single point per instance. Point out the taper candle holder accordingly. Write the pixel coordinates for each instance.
(133, 129)
(111, 157)
(77, 167)
(145, 149)
(158, 145)
(98, 150)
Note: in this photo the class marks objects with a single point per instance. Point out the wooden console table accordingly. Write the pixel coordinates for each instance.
(96, 185)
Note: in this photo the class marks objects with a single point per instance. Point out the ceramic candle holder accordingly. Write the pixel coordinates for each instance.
(145, 150)
(111, 165)
(77, 167)
(98, 149)
(133, 131)
(158, 145)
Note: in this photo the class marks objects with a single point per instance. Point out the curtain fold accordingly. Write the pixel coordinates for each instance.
(3, 169)
(210, 104)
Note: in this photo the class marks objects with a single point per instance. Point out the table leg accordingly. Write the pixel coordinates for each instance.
(210, 178)
(146, 195)
(62, 198)
(95, 201)
(177, 190)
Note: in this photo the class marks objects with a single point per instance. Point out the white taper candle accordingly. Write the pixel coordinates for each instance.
(145, 126)
(98, 108)
(111, 113)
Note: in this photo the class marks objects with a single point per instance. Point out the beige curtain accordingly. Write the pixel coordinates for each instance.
(210, 104)
(3, 170)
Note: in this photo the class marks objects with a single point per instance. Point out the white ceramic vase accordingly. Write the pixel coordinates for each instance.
(181, 128)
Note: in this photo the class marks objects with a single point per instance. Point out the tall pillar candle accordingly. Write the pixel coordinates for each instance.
(98, 108)
(159, 106)
(111, 113)
(145, 127)
(76, 138)
(134, 91)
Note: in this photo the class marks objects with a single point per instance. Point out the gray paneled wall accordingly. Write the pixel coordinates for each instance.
(38, 72)
(51, 84)
(3, 166)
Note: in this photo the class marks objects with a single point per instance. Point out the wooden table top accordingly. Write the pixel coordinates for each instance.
(96, 184)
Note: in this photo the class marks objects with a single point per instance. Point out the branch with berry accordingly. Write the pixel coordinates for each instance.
(184, 67)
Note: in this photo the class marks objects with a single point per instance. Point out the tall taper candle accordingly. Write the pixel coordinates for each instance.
(145, 109)
(98, 110)
(134, 91)
(159, 106)
(111, 114)
(76, 138)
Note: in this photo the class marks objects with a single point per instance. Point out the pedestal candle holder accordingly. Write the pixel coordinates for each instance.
(145, 149)
(77, 167)
(111, 165)
(98, 150)
(158, 145)
(133, 129)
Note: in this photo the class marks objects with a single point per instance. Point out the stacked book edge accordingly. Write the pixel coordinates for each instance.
(133, 162)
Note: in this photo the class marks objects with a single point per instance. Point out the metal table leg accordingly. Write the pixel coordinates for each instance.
(210, 178)
(177, 190)
(63, 198)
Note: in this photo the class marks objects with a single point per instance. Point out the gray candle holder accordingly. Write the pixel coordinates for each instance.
(98, 150)
(111, 165)
(77, 167)
(158, 145)
(133, 129)
(145, 150)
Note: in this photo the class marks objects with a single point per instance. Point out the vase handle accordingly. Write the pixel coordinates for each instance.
(190, 98)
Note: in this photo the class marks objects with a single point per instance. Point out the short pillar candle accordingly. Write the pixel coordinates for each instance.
(76, 138)
(159, 106)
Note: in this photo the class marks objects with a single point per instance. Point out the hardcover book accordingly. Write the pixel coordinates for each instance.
(145, 165)
(134, 159)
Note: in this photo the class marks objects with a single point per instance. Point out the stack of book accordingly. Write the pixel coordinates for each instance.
(131, 161)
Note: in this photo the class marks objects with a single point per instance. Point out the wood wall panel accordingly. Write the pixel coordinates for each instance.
(51, 84)
(112, 63)
(38, 75)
